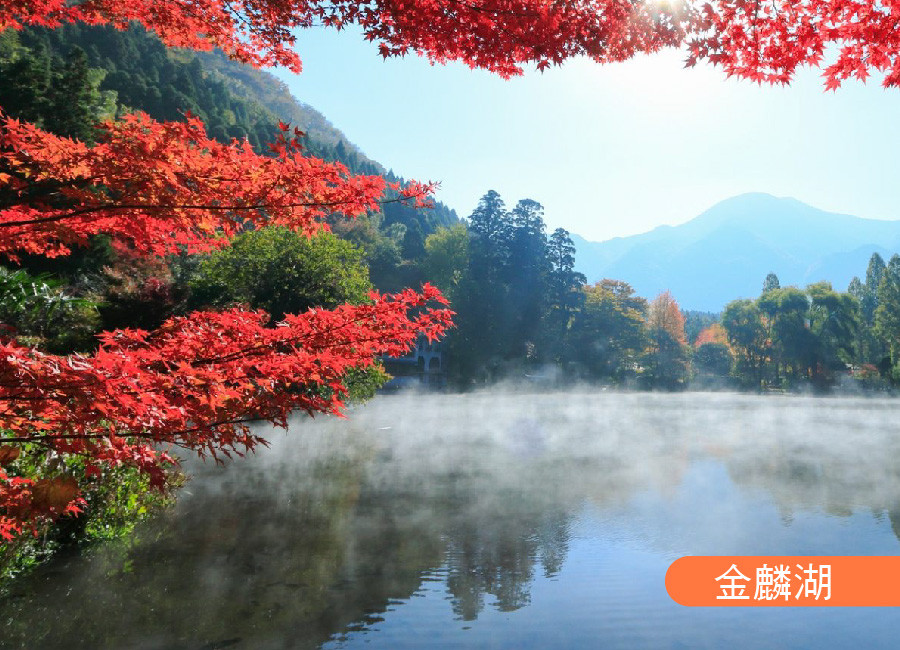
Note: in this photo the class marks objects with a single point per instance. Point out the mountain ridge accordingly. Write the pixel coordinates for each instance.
(725, 252)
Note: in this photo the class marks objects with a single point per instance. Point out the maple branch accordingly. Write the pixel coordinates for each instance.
(62, 436)
(495, 11)
(210, 208)
(256, 350)
(37, 439)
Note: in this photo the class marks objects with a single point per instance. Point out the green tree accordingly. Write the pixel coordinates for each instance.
(282, 272)
(75, 100)
(833, 321)
(446, 259)
(479, 345)
(771, 282)
(607, 334)
(27, 77)
(790, 347)
(528, 269)
(712, 358)
(742, 321)
(871, 348)
(887, 314)
(713, 361)
(490, 229)
(874, 274)
(565, 294)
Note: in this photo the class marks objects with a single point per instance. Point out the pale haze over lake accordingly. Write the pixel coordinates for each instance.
(497, 519)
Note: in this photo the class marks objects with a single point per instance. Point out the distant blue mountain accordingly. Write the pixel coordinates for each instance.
(726, 252)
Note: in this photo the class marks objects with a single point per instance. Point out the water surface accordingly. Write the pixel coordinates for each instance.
(493, 520)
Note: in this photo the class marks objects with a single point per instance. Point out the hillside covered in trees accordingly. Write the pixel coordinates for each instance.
(66, 79)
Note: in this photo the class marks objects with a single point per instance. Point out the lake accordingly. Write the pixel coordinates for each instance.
(508, 520)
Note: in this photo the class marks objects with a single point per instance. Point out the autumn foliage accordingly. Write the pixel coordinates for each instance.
(715, 333)
(197, 381)
(768, 41)
(157, 188)
(763, 41)
(664, 315)
(164, 187)
(161, 188)
(497, 35)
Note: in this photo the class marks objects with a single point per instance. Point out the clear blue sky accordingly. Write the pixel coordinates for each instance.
(608, 150)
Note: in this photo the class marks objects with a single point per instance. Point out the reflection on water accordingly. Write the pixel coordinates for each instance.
(492, 520)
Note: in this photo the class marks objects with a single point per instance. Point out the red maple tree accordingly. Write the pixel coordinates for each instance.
(154, 189)
(159, 187)
(768, 41)
(663, 314)
(764, 41)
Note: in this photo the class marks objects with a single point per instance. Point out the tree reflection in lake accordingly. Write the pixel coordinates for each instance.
(470, 504)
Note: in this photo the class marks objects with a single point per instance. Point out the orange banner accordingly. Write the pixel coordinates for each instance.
(785, 581)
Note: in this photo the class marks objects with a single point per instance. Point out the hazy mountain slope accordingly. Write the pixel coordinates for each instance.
(267, 90)
(726, 252)
(323, 138)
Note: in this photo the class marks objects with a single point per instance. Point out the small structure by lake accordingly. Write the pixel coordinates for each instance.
(422, 366)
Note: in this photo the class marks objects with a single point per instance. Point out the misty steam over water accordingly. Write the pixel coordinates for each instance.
(493, 519)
